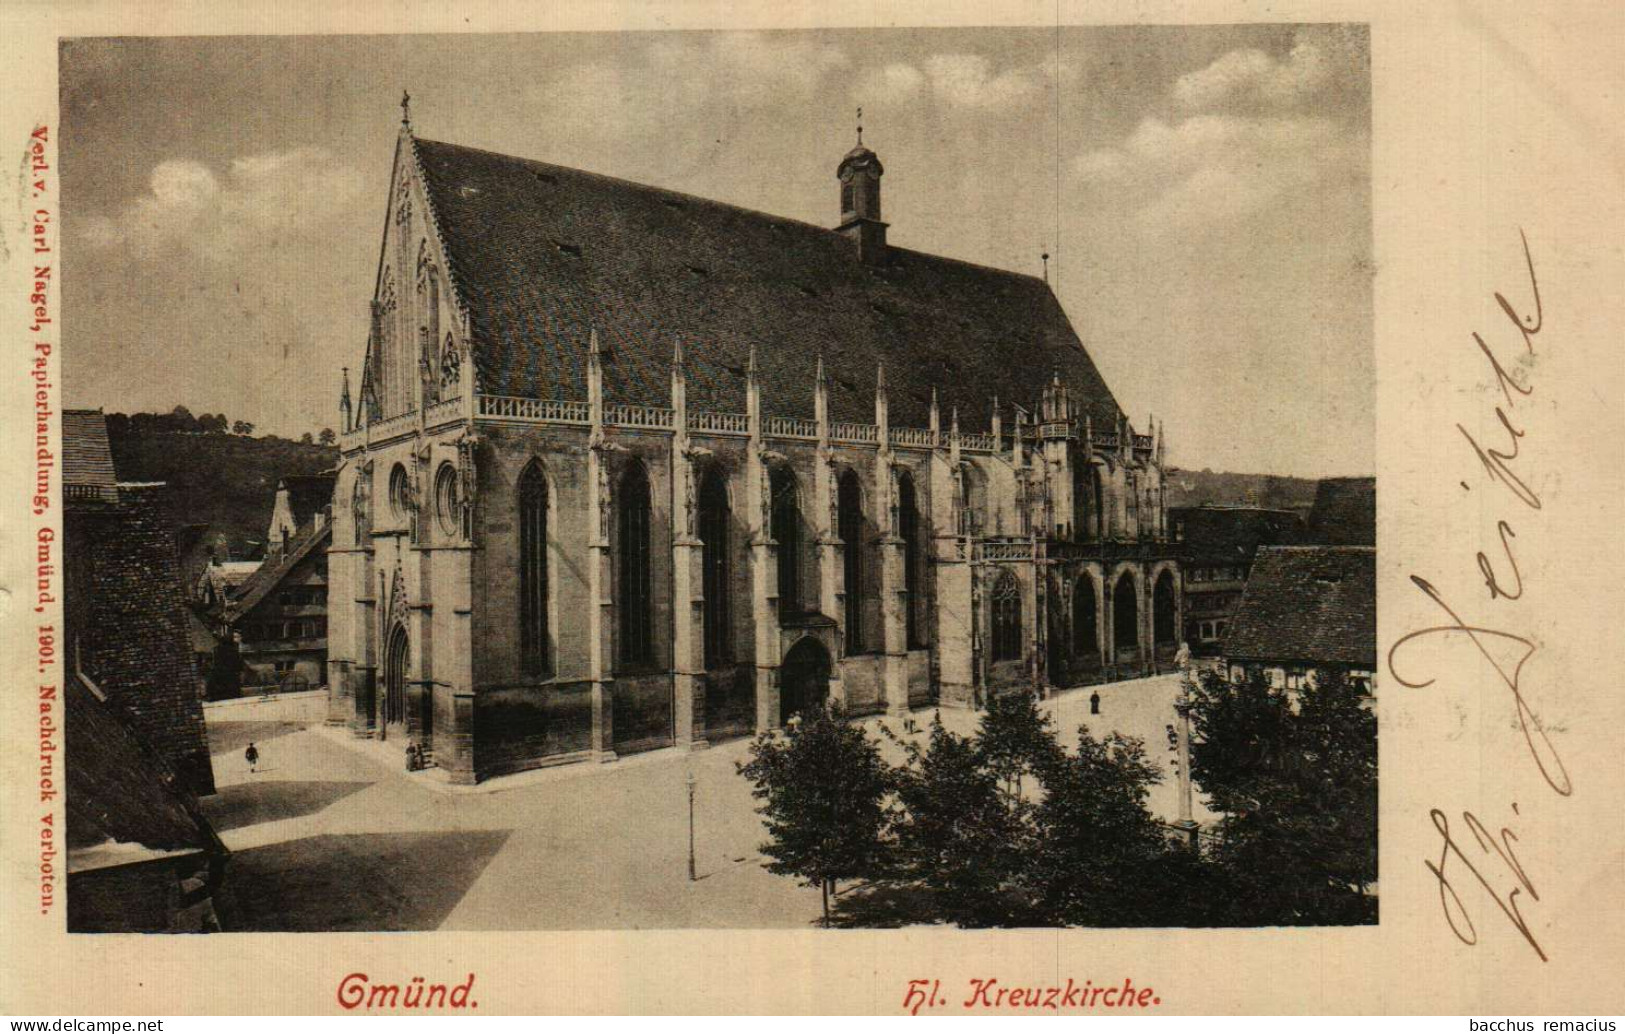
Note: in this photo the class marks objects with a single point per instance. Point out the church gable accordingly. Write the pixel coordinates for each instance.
(418, 338)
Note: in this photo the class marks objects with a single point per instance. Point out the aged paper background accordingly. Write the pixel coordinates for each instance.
(1487, 119)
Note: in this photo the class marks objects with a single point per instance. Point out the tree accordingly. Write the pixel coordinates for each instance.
(823, 788)
(960, 835)
(327, 437)
(242, 427)
(213, 424)
(1296, 782)
(1099, 849)
(1016, 739)
(307, 439)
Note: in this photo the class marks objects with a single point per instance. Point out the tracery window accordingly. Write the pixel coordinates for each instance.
(908, 529)
(786, 530)
(1006, 617)
(445, 499)
(714, 545)
(850, 510)
(634, 599)
(535, 655)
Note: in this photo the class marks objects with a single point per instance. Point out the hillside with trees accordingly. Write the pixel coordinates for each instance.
(1219, 488)
(217, 471)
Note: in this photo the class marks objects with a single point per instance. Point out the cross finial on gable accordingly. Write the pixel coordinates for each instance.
(860, 127)
(406, 108)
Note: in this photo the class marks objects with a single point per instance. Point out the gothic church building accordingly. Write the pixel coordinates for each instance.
(629, 469)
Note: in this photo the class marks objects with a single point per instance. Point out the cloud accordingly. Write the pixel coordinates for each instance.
(262, 201)
(892, 84)
(1212, 170)
(1252, 76)
(968, 80)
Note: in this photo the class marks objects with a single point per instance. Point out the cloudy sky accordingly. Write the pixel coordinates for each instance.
(1204, 193)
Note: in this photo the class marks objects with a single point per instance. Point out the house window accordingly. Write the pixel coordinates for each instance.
(635, 601)
(1294, 678)
(445, 499)
(908, 529)
(850, 520)
(787, 532)
(1006, 618)
(715, 517)
(533, 587)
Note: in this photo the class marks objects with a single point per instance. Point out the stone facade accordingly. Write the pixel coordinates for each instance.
(706, 572)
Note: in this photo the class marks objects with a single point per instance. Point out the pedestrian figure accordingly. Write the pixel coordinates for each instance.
(1182, 659)
(252, 756)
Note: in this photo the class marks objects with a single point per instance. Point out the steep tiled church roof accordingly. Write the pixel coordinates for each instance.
(542, 255)
(1311, 604)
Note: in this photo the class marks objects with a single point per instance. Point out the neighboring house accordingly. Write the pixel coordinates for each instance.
(1217, 545)
(631, 468)
(300, 500)
(1345, 513)
(1307, 608)
(220, 583)
(141, 857)
(126, 615)
(281, 609)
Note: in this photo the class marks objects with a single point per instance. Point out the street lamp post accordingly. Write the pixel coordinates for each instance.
(690, 781)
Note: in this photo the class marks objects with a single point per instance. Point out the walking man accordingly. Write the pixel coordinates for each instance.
(252, 756)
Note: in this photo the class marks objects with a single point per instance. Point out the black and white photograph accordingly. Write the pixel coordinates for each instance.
(672, 480)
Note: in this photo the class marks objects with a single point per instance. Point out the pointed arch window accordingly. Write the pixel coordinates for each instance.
(1125, 613)
(787, 533)
(1131, 500)
(1006, 617)
(715, 517)
(634, 598)
(850, 520)
(1097, 490)
(1082, 505)
(1085, 621)
(908, 529)
(534, 644)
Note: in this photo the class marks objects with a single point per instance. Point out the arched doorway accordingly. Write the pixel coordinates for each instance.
(1085, 626)
(396, 658)
(804, 679)
(1126, 619)
(1164, 628)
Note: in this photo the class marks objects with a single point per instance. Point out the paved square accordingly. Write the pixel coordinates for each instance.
(333, 834)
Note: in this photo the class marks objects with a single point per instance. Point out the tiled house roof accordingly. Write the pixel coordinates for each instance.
(87, 457)
(124, 802)
(276, 568)
(542, 255)
(1308, 605)
(1345, 512)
